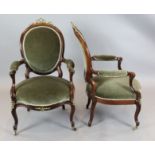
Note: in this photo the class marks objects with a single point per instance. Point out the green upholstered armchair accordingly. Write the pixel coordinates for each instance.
(42, 50)
(116, 87)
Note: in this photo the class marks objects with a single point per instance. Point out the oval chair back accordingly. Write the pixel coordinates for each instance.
(42, 47)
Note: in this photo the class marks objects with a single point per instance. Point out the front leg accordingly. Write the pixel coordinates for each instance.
(138, 108)
(14, 114)
(71, 116)
(92, 112)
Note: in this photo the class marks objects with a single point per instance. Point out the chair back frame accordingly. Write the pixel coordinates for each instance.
(86, 53)
(62, 47)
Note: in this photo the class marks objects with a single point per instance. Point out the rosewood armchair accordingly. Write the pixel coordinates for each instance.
(118, 87)
(42, 51)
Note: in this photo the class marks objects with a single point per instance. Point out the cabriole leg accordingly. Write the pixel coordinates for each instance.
(14, 114)
(71, 116)
(138, 108)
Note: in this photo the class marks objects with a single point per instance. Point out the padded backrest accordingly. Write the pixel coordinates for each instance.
(42, 48)
(86, 53)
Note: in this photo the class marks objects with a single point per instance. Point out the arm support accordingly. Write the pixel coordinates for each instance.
(131, 77)
(93, 86)
(108, 58)
(13, 68)
(70, 66)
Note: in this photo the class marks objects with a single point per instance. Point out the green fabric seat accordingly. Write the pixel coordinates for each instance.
(42, 91)
(114, 88)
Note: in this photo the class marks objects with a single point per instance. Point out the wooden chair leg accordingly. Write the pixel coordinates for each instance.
(28, 109)
(92, 112)
(138, 108)
(71, 116)
(63, 107)
(14, 114)
(88, 103)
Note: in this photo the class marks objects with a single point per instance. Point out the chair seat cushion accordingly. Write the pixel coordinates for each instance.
(43, 91)
(115, 88)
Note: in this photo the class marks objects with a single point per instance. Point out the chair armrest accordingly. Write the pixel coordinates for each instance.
(131, 77)
(104, 58)
(108, 58)
(70, 66)
(15, 65)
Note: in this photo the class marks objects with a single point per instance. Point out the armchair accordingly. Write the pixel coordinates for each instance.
(42, 51)
(118, 87)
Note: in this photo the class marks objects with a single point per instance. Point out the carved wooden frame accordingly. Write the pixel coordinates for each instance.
(90, 72)
(27, 73)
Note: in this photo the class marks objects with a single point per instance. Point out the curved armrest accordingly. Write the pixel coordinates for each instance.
(15, 65)
(108, 58)
(70, 66)
(131, 77)
(104, 58)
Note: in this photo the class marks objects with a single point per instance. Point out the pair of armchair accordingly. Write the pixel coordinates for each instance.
(42, 51)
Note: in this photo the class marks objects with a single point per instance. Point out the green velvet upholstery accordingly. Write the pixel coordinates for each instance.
(42, 91)
(114, 88)
(104, 57)
(115, 73)
(42, 49)
(14, 66)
